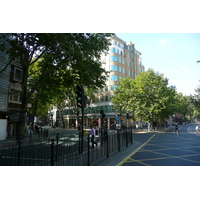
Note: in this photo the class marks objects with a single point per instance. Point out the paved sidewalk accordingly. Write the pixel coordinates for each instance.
(118, 156)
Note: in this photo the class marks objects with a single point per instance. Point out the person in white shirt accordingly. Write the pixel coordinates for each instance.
(197, 128)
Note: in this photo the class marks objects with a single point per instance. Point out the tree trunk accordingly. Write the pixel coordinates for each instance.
(21, 125)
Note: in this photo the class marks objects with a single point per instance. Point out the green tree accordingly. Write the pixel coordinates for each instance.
(63, 60)
(148, 96)
(195, 99)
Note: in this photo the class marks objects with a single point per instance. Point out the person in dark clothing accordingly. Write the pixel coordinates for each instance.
(176, 128)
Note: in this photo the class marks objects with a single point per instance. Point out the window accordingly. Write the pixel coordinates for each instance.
(133, 66)
(129, 64)
(113, 50)
(113, 58)
(15, 96)
(102, 98)
(18, 74)
(122, 70)
(114, 42)
(114, 78)
(114, 67)
(106, 98)
(112, 87)
(106, 88)
(17, 59)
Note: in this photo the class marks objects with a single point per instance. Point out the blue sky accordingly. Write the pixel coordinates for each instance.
(173, 54)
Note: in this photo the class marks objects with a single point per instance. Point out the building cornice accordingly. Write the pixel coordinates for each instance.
(116, 37)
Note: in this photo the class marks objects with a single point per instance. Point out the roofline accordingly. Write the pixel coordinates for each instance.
(118, 39)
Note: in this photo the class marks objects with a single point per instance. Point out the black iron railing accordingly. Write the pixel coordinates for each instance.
(63, 151)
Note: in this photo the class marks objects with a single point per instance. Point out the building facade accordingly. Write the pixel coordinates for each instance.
(123, 60)
(10, 93)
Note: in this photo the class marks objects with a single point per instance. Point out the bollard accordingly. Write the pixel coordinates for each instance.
(52, 151)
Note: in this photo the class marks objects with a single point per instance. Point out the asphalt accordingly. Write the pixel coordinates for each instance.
(117, 157)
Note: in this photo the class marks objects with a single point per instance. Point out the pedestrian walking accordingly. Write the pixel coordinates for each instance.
(79, 127)
(176, 128)
(29, 130)
(148, 126)
(197, 128)
(93, 134)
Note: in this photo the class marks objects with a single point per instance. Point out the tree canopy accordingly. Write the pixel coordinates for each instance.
(148, 97)
(63, 60)
(196, 99)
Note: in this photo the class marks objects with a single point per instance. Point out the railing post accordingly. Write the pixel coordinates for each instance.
(79, 141)
(30, 135)
(57, 137)
(38, 131)
(107, 146)
(101, 135)
(118, 139)
(88, 163)
(52, 151)
(19, 151)
(126, 132)
(131, 136)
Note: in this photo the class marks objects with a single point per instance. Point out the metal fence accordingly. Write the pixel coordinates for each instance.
(64, 151)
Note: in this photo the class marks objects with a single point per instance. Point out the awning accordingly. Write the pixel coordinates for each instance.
(15, 118)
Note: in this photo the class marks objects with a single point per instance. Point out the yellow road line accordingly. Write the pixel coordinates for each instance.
(185, 149)
(130, 155)
(183, 157)
(133, 160)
